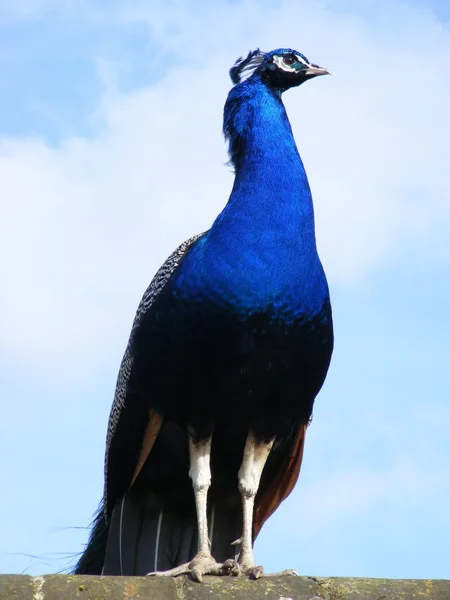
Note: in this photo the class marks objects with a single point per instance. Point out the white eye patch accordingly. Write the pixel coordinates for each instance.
(279, 61)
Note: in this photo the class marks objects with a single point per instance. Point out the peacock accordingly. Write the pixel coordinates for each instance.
(229, 347)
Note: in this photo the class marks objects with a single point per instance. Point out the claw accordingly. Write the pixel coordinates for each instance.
(255, 572)
(196, 574)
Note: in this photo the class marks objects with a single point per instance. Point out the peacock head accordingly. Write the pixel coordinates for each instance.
(280, 69)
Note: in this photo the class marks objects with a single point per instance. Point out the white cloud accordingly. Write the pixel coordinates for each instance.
(85, 225)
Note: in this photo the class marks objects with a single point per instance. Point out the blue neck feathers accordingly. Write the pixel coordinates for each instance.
(271, 186)
(261, 249)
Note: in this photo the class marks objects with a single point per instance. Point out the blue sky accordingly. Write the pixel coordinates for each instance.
(111, 154)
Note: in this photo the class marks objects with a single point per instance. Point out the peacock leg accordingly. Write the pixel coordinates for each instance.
(200, 472)
(255, 456)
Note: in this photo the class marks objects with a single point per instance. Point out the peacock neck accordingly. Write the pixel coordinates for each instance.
(271, 195)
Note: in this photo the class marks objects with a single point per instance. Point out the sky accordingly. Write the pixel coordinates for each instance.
(111, 154)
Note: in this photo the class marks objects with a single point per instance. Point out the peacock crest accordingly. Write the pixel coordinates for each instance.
(244, 67)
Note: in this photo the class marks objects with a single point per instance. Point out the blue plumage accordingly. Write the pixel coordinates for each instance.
(261, 250)
(231, 344)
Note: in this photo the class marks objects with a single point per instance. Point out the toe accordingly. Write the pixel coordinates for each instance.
(231, 567)
(180, 570)
(291, 572)
(255, 572)
(196, 574)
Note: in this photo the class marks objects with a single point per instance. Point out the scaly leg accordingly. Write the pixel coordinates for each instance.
(200, 472)
(255, 456)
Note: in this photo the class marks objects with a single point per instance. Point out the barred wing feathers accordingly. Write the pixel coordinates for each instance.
(152, 292)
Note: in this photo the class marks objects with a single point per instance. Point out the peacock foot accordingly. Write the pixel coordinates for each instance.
(255, 572)
(201, 564)
(246, 566)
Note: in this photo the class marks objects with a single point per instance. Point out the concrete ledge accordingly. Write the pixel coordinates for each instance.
(68, 587)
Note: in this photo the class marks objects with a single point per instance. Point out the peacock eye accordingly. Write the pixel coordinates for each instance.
(289, 60)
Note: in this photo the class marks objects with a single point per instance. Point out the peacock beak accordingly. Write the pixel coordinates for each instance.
(315, 70)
